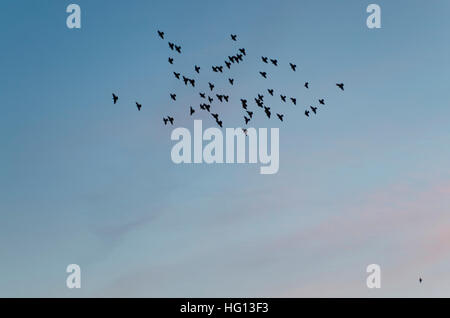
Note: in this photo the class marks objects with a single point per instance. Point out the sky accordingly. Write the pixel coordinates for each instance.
(83, 181)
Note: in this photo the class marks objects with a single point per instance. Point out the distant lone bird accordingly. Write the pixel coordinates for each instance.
(178, 48)
(202, 95)
(171, 45)
(270, 91)
(307, 84)
(138, 106)
(177, 75)
(192, 110)
(211, 86)
(115, 98)
(322, 101)
(170, 60)
(306, 113)
(420, 280)
(173, 96)
(283, 98)
(294, 100)
(170, 119)
(293, 66)
(243, 51)
(314, 109)
(231, 81)
(197, 69)
(340, 85)
(234, 37)
(274, 62)
(280, 116)
(161, 34)
(265, 59)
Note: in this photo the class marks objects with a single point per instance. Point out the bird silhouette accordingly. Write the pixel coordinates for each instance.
(220, 69)
(243, 51)
(260, 97)
(207, 107)
(274, 62)
(294, 100)
(267, 111)
(170, 60)
(270, 91)
(283, 98)
(246, 120)
(245, 131)
(234, 37)
(314, 109)
(202, 95)
(173, 96)
(322, 101)
(259, 103)
(216, 116)
(231, 81)
(192, 81)
(138, 106)
(265, 59)
(211, 86)
(214, 68)
(185, 80)
(178, 48)
(170, 119)
(293, 66)
(226, 98)
(280, 116)
(250, 114)
(306, 113)
(165, 121)
(263, 74)
(244, 103)
(192, 110)
(171, 45)
(161, 34)
(219, 122)
(219, 97)
(115, 98)
(340, 85)
(177, 75)
(210, 99)
(239, 57)
(197, 69)
(228, 64)
(307, 85)
(420, 280)
(202, 106)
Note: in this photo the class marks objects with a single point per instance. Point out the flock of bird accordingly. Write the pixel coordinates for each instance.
(207, 99)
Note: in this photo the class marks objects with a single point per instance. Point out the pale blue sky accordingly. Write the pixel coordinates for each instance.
(87, 182)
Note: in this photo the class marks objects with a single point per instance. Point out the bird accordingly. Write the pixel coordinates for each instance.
(170, 119)
(210, 99)
(192, 110)
(197, 69)
(274, 62)
(293, 66)
(115, 98)
(246, 120)
(228, 64)
(260, 97)
(170, 60)
(280, 116)
(177, 75)
(219, 122)
(242, 51)
(220, 97)
(161, 34)
(265, 59)
(294, 100)
(263, 74)
(202, 106)
(314, 109)
(211, 86)
(165, 121)
(306, 113)
(216, 116)
(231, 81)
(340, 85)
(307, 84)
(214, 68)
(270, 91)
(245, 131)
(244, 103)
(185, 80)
(220, 69)
(171, 45)
(234, 37)
(202, 95)
(178, 48)
(138, 106)
(322, 101)
(283, 98)
(250, 114)
(207, 107)
(231, 58)
(173, 96)
(267, 111)
(420, 280)
(239, 57)
(192, 81)
(226, 98)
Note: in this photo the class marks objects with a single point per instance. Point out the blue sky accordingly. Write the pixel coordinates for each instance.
(87, 182)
